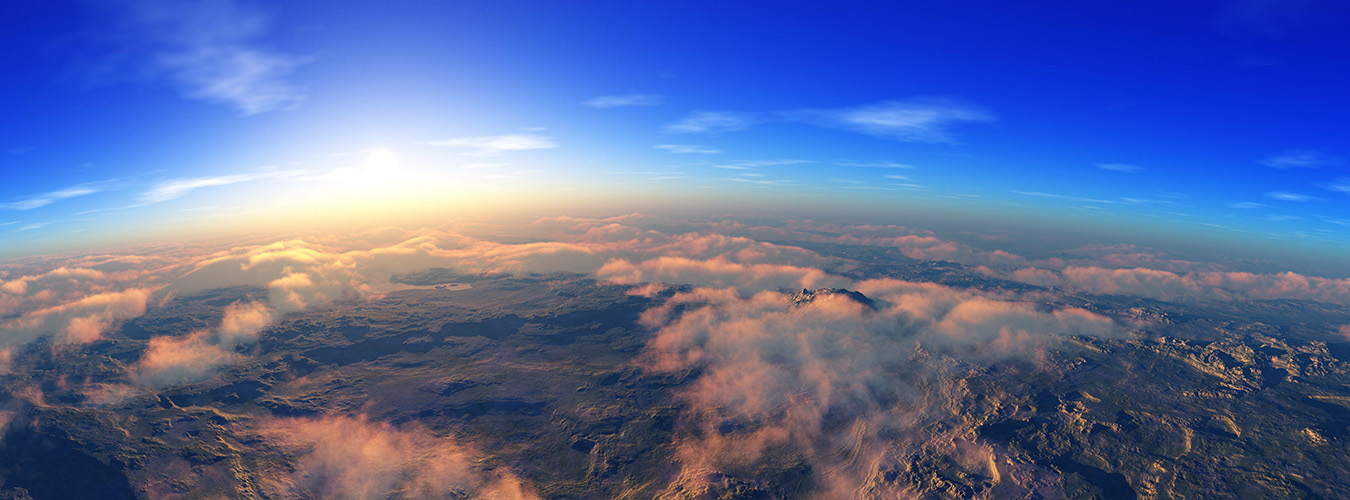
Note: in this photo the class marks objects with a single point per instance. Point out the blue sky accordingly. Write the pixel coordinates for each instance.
(1218, 119)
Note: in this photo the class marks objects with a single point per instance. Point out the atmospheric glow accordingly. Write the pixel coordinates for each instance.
(534, 250)
(381, 161)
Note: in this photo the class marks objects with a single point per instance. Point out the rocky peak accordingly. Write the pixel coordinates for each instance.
(807, 295)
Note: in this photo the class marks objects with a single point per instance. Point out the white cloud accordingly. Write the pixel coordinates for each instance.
(496, 145)
(1287, 196)
(1120, 167)
(210, 51)
(45, 199)
(1302, 158)
(875, 164)
(178, 188)
(626, 100)
(173, 189)
(712, 122)
(912, 120)
(1061, 197)
(755, 164)
(1246, 205)
(1342, 185)
(688, 149)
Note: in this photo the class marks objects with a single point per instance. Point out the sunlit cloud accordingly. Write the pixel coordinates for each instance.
(1120, 167)
(354, 458)
(712, 122)
(177, 188)
(626, 100)
(1246, 205)
(212, 51)
(45, 199)
(1302, 158)
(914, 120)
(688, 149)
(497, 145)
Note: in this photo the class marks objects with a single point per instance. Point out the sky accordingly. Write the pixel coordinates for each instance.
(1220, 121)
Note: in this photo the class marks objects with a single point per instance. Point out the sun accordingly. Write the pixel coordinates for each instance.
(381, 160)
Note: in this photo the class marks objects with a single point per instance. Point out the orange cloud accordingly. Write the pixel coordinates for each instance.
(354, 458)
(78, 322)
(716, 272)
(175, 360)
(1200, 285)
(832, 373)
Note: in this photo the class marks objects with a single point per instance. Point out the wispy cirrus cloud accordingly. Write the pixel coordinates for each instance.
(713, 122)
(1246, 205)
(1288, 196)
(1341, 185)
(920, 119)
(173, 189)
(1064, 197)
(1302, 158)
(212, 51)
(756, 164)
(624, 101)
(44, 199)
(1120, 167)
(923, 119)
(497, 145)
(873, 164)
(687, 149)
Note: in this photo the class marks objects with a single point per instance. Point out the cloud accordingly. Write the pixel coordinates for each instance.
(688, 149)
(1287, 196)
(928, 120)
(1062, 197)
(1191, 286)
(178, 188)
(354, 458)
(212, 51)
(48, 198)
(712, 122)
(1341, 185)
(626, 100)
(177, 360)
(77, 322)
(847, 388)
(1246, 205)
(243, 321)
(496, 145)
(1120, 167)
(173, 189)
(1302, 158)
(171, 360)
(717, 272)
(874, 164)
(756, 164)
